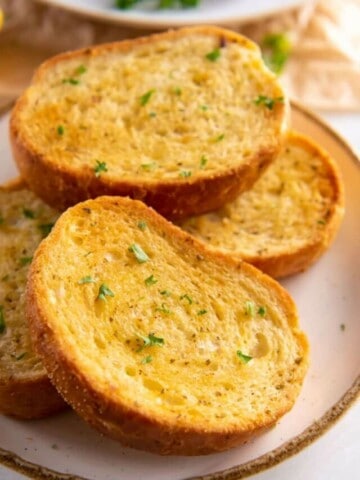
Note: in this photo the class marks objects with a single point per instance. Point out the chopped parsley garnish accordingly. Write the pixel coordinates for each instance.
(267, 101)
(214, 55)
(144, 99)
(146, 359)
(220, 137)
(250, 308)
(202, 312)
(99, 168)
(60, 130)
(104, 291)
(25, 260)
(244, 358)
(150, 281)
(148, 166)
(186, 297)
(86, 279)
(142, 225)
(204, 108)
(163, 309)
(165, 293)
(262, 311)
(2, 320)
(185, 173)
(46, 228)
(203, 161)
(177, 91)
(29, 213)
(81, 69)
(139, 253)
(276, 49)
(71, 81)
(151, 341)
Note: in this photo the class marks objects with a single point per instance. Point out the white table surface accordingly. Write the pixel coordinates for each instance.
(335, 455)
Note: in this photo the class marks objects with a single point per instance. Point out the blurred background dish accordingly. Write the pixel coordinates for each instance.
(144, 14)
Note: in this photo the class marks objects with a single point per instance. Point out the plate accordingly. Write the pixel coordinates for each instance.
(209, 11)
(327, 295)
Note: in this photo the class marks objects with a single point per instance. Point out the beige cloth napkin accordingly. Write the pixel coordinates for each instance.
(323, 70)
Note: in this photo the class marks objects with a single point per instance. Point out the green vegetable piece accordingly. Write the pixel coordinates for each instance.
(163, 309)
(29, 213)
(46, 228)
(202, 312)
(147, 359)
(214, 55)
(142, 225)
(250, 308)
(144, 99)
(86, 279)
(187, 297)
(203, 161)
(99, 168)
(276, 49)
(151, 341)
(244, 358)
(71, 81)
(104, 291)
(150, 281)
(262, 311)
(25, 260)
(81, 69)
(139, 253)
(267, 101)
(185, 173)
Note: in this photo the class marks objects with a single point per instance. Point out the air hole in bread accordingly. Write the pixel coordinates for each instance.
(261, 347)
(152, 385)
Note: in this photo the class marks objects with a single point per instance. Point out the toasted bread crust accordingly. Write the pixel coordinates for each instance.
(62, 185)
(25, 393)
(301, 249)
(109, 407)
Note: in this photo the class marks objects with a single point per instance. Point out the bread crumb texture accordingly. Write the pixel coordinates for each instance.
(24, 222)
(297, 205)
(174, 107)
(158, 331)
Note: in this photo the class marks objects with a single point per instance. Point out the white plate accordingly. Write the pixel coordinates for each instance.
(209, 11)
(327, 296)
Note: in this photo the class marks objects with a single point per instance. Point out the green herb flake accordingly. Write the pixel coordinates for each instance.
(28, 213)
(144, 99)
(71, 81)
(147, 359)
(86, 279)
(139, 253)
(151, 341)
(142, 225)
(148, 166)
(187, 297)
(150, 281)
(262, 311)
(99, 168)
(202, 312)
(203, 161)
(204, 108)
(276, 49)
(25, 260)
(177, 91)
(322, 222)
(214, 55)
(250, 308)
(220, 137)
(45, 228)
(21, 356)
(163, 309)
(2, 320)
(244, 358)
(104, 291)
(185, 173)
(165, 293)
(60, 130)
(267, 101)
(152, 114)
(81, 69)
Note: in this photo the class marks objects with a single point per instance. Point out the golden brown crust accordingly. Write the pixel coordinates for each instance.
(61, 187)
(31, 394)
(132, 423)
